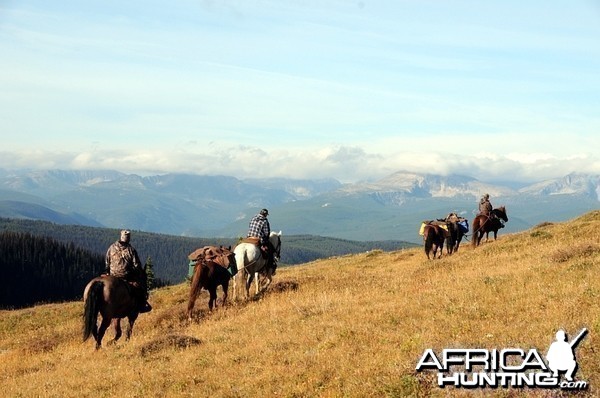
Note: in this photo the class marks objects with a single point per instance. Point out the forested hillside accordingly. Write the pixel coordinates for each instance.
(36, 269)
(169, 253)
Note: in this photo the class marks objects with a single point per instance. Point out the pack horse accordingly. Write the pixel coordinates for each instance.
(213, 267)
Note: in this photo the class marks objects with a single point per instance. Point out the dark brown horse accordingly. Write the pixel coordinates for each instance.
(112, 298)
(457, 228)
(484, 224)
(210, 272)
(434, 237)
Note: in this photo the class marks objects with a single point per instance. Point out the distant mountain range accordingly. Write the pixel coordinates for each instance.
(221, 206)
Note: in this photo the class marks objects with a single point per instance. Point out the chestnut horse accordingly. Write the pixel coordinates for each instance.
(210, 272)
(113, 298)
(484, 224)
(434, 237)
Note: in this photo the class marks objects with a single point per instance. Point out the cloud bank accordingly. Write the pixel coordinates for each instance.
(344, 163)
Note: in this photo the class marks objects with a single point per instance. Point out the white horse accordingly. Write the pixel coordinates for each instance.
(251, 264)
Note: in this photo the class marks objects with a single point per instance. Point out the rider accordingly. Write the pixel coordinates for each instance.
(485, 207)
(259, 227)
(122, 261)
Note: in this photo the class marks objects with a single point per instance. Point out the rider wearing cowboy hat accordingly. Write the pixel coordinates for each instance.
(259, 227)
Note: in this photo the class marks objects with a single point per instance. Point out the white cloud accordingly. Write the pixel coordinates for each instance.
(345, 163)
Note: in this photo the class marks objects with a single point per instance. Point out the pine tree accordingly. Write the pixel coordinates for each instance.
(149, 273)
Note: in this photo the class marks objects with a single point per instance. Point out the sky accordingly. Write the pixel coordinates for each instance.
(352, 90)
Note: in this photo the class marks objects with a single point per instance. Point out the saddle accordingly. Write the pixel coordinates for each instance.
(253, 240)
(210, 253)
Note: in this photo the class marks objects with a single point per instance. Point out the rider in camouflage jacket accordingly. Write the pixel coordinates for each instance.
(122, 261)
(485, 207)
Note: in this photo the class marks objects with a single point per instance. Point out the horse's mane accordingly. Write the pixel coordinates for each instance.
(501, 209)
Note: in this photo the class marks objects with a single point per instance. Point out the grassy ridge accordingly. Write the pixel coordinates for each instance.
(355, 326)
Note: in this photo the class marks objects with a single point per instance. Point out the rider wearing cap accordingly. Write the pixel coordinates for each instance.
(122, 261)
(485, 207)
(259, 227)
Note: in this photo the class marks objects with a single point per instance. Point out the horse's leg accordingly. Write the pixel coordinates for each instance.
(269, 277)
(101, 330)
(239, 282)
(225, 287)
(191, 302)
(116, 323)
(213, 297)
(248, 284)
(236, 284)
(95, 331)
(256, 283)
(131, 319)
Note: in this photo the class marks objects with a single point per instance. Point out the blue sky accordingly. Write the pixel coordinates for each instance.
(304, 89)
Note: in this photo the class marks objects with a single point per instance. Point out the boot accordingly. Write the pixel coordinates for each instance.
(144, 306)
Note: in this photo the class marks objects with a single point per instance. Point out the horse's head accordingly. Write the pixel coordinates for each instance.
(501, 213)
(230, 259)
(275, 239)
(452, 217)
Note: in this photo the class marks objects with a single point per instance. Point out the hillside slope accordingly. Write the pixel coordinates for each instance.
(354, 325)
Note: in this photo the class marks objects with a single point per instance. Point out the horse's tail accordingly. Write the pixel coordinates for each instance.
(428, 238)
(91, 308)
(195, 287)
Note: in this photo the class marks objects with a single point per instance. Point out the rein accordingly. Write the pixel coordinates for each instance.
(487, 218)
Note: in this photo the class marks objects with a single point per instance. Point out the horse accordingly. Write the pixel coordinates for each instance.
(457, 227)
(485, 224)
(210, 272)
(434, 237)
(114, 298)
(251, 264)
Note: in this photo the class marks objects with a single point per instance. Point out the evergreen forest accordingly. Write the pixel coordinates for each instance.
(42, 261)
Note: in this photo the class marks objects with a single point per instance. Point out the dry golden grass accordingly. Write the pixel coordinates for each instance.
(352, 326)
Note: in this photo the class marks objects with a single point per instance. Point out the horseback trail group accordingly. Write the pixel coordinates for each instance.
(452, 229)
(121, 292)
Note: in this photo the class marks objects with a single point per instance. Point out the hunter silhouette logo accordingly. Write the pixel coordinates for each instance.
(561, 354)
(507, 368)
